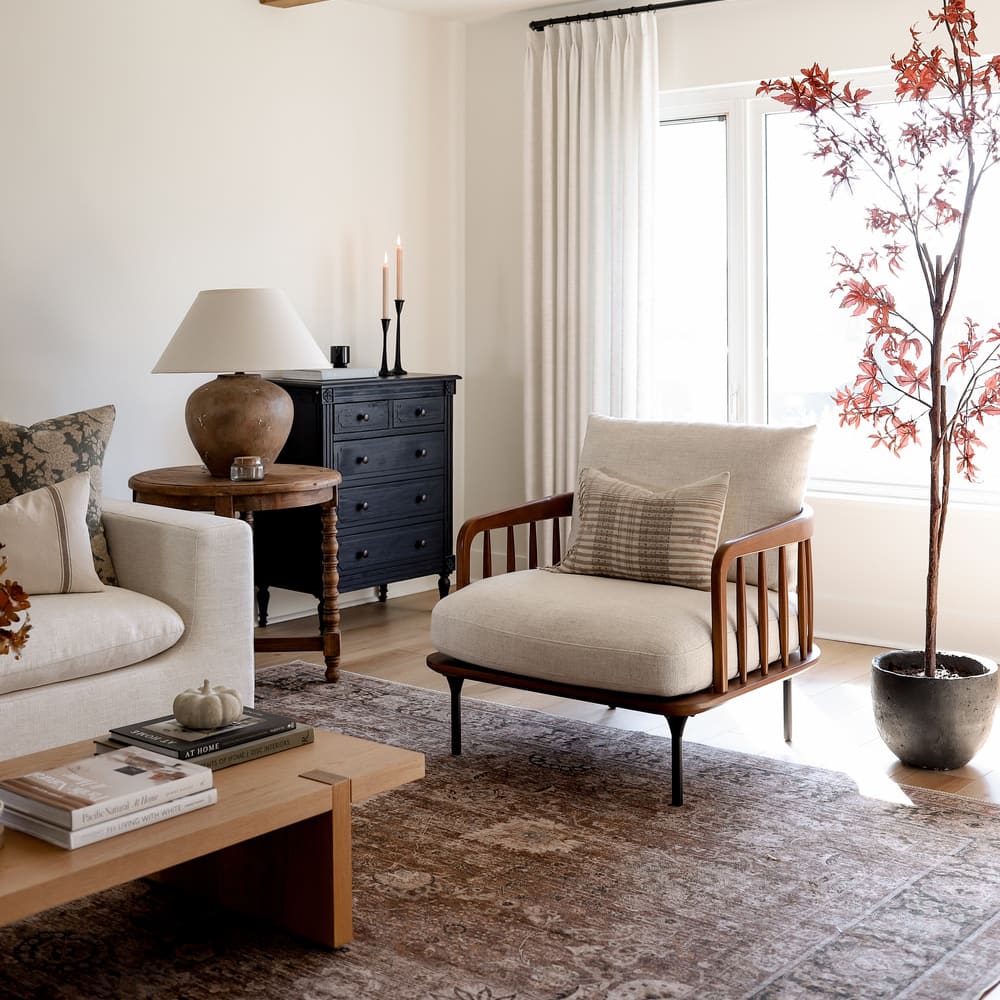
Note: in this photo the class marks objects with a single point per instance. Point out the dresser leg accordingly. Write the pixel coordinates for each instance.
(383, 592)
(329, 616)
(444, 585)
(263, 600)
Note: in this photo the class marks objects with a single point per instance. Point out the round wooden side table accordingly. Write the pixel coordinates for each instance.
(190, 487)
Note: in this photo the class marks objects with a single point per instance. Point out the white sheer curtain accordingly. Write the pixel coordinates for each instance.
(590, 119)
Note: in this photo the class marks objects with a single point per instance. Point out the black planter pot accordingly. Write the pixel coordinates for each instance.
(932, 722)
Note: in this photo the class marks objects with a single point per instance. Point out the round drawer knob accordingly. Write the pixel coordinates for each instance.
(364, 417)
(363, 506)
(420, 411)
(422, 498)
(363, 554)
(422, 543)
(363, 460)
(421, 453)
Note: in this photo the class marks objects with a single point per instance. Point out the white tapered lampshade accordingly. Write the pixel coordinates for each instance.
(239, 330)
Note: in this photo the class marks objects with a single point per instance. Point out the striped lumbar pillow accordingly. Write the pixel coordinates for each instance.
(627, 531)
(46, 541)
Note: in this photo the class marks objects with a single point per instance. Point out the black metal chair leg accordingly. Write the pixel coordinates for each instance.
(787, 709)
(455, 683)
(677, 724)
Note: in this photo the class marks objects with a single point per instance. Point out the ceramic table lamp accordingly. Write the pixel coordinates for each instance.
(239, 331)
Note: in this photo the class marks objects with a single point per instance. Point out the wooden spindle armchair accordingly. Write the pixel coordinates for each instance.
(670, 650)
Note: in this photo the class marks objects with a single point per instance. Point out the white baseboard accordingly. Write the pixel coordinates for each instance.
(286, 605)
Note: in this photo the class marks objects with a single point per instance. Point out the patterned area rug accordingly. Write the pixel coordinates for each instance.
(546, 863)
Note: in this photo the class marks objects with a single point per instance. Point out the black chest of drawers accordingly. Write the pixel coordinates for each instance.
(391, 440)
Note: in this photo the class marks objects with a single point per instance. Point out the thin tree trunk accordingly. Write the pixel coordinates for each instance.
(939, 432)
(933, 548)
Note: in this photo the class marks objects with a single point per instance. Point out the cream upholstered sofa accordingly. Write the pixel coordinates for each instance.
(182, 612)
(658, 606)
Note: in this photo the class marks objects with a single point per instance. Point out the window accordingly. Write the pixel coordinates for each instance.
(738, 173)
(689, 353)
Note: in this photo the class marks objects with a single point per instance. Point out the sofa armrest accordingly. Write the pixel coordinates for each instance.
(198, 564)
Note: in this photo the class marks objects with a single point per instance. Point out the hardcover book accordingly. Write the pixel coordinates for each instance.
(218, 759)
(71, 839)
(102, 787)
(167, 736)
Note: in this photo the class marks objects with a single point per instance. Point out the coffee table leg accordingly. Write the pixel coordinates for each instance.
(329, 612)
(297, 877)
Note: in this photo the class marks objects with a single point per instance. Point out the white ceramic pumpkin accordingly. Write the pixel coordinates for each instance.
(207, 707)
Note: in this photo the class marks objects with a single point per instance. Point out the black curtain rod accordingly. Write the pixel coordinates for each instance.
(598, 15)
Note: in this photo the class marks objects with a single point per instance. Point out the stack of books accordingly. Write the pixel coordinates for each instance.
(101, 796)
(255, 734)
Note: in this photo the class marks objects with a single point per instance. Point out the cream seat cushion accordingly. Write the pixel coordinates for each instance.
(77, 635)
(643, 638)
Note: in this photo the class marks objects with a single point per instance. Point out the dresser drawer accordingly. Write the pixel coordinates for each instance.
(389, 454)
(384, 546)
(414, 412)
(363, 416)
(411, 499)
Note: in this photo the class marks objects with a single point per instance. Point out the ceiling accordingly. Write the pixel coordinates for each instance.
(467, 10)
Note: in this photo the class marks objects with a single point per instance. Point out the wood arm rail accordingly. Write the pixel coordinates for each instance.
(549, 509)
(795, 531)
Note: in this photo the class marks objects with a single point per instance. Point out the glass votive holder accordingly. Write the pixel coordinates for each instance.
(246, 467)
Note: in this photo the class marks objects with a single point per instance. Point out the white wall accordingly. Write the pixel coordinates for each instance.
(869, 558)
(157, 147)
(153, 148)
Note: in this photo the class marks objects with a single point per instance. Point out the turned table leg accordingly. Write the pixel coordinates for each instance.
(329, 615)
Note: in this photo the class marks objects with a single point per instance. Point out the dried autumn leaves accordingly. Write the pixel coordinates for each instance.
(13, 600)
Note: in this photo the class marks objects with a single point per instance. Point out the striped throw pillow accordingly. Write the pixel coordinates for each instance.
(46, 540)
(627, 531)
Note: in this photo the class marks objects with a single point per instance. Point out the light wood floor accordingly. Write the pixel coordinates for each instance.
(833, 725)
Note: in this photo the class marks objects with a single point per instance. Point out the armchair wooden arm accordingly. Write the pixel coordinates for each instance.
(532, 514)
(796, 531)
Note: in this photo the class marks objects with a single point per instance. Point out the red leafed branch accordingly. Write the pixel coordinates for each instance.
(913, 368)
(13, 600)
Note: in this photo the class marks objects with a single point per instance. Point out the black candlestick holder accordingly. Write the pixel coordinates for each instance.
(383, 372)
(397, 368)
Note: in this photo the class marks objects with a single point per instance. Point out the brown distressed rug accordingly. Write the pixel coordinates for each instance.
(546, 863)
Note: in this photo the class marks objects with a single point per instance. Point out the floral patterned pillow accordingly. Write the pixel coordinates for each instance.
(53, 450)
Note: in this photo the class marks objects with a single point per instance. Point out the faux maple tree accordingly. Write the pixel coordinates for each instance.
(917, 364)
(13, 600)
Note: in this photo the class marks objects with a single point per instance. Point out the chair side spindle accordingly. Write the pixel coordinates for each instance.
(783, 605)
(741, 619)
(762, 610)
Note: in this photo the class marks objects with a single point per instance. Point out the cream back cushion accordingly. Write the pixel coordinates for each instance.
(626, 531)
(768, 466)
(46, 541)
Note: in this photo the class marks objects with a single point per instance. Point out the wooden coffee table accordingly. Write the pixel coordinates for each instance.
(277, 845)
